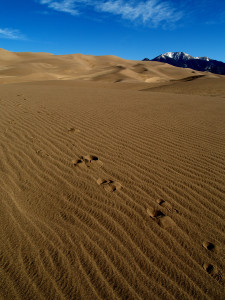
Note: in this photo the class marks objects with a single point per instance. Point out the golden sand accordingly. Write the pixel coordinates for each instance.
(111, 185)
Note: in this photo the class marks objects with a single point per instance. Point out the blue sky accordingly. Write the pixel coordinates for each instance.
(129, 29)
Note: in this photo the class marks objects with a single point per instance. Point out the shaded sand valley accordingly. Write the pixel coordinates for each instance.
(111, 192)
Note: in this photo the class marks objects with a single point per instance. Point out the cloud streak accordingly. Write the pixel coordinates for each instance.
(151, 12)
(67, 6)
(12, 34)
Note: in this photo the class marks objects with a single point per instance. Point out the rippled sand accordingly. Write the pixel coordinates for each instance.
(111, 192)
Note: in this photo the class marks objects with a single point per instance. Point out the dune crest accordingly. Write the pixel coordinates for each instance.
(28, 67)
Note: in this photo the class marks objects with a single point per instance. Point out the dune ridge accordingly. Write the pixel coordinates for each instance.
(28, 67)
(110, 193)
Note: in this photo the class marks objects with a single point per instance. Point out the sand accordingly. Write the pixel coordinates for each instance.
(111, 186)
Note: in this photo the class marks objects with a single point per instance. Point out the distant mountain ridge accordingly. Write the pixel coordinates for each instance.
(184, 60)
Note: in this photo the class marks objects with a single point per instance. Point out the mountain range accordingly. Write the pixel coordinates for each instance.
(184, 60)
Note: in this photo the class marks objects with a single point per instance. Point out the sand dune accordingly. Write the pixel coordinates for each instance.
(26, 67)
(107, 191)
(203, 85)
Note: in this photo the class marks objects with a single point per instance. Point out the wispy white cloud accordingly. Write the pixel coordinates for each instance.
(150, 12)
(67, 6)
(12, 34)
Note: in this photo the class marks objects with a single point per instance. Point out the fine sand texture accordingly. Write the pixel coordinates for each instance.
(109, 190)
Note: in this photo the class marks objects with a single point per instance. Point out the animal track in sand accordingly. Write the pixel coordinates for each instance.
(87, 161)
(42, 153)
(166, 205)
(214, 272)
(109, 185)
(160, 218)
(209, 246)
(73, 130)
(209, 268)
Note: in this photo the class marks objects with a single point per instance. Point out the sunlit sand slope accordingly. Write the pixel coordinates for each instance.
(110, 194)
(203, 85)
(28, 66)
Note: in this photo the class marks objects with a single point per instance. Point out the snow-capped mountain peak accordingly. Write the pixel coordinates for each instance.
(184, 60)
(169, 54)
(181, 56)
(177, 55)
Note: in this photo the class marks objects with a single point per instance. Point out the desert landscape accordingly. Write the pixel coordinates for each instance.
(112, 177)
